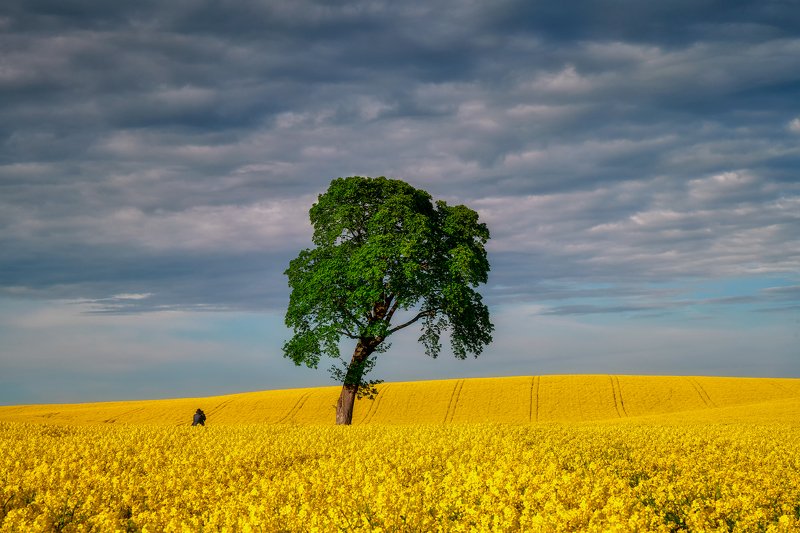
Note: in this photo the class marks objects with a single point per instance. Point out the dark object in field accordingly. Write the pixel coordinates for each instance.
(199, 418)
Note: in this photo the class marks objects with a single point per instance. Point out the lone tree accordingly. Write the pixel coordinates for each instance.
(384, 251)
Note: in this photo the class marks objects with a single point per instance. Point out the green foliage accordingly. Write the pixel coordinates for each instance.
(384, 248)
(352, 375)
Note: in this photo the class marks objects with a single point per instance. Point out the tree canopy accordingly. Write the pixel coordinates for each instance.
(386, 256)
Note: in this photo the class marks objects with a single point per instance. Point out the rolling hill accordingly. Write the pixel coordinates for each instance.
(515, 400)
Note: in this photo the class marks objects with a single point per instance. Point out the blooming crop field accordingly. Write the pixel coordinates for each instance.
(733, 465)
(514, 400)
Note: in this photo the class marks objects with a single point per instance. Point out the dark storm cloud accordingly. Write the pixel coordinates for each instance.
(666, 23)
(155, 148)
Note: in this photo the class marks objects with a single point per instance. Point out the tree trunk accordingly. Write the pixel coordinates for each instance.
(347, 398)
(344, 407)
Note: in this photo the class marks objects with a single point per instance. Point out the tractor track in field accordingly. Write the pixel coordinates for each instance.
(619, 403)
(219, 407)
(451, 406)
(369, 411)
(374, 405)
(533, 410)
(124, 414)
(295, 408)
(702, 393)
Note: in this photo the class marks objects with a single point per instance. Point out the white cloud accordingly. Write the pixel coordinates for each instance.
(794, 125)
(124, 296)
(725, 184)
(712, 227)
(258, 227)
(262, 226)
(541, 112)
(566, 80)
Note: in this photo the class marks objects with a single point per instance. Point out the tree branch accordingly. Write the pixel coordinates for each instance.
(421, 314)
(392, 309)
(347, 334)
(345, 330)
(349, 315)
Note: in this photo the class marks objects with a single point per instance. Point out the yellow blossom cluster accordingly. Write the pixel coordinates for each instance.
(657, 474)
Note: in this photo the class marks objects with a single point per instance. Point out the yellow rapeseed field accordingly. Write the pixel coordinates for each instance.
(513, 400)
(622, 453)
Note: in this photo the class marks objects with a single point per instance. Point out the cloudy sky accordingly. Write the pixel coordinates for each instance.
(637, 163)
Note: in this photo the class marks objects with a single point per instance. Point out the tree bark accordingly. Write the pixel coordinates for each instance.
(344, 407)
(347, 398)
